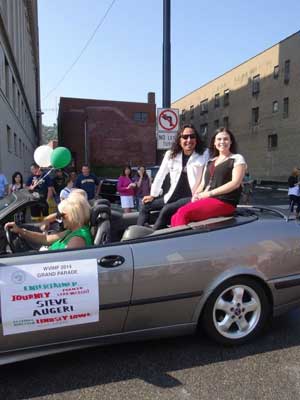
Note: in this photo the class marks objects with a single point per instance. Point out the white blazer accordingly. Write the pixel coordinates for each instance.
(194, 166)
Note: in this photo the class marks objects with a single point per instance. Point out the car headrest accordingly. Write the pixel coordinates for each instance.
(97, 210)
(136, 232)
(99, 201)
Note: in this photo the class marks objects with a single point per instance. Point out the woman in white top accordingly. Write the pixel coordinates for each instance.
(294, 192)
(220, 188)
(185, 163)
(64, 194)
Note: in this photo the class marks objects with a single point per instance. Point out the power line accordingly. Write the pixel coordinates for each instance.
(82, 51)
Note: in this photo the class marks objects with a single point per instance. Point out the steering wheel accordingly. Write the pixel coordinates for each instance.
(9, 238)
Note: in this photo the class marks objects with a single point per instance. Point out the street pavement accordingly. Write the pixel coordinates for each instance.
(184, 368)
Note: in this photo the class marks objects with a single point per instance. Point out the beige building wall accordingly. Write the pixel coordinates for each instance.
(20, 117)
(268, 136)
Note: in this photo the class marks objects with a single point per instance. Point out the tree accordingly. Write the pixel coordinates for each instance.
(49, 133)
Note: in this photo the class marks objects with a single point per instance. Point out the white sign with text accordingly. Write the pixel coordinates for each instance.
(50, 295)
(167, 127)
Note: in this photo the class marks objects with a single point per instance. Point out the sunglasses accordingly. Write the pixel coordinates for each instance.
(60, 216)
(191, 136)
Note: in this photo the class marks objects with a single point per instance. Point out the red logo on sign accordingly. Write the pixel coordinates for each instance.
(168, 120)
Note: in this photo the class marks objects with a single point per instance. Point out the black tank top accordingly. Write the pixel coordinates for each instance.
(218, 176)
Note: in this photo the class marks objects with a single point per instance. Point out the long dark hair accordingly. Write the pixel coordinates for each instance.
(14, 177)
(127, 167)
(176, 148)
(212, 149)
(145, 176)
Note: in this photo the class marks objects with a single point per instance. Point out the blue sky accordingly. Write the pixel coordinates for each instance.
(124, 60)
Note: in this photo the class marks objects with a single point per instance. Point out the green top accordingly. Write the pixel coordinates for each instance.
(83, 232)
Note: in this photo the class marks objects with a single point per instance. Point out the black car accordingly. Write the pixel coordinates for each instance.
(109, 186)
(109, 191)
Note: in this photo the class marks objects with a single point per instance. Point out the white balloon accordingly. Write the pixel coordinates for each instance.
(42, 155)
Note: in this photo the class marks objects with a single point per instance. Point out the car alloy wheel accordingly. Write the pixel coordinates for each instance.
(236, 311)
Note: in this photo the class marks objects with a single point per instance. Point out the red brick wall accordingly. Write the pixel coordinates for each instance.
(115, 139)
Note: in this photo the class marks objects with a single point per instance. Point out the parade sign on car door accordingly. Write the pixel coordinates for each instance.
(167, 127)
(49, 295)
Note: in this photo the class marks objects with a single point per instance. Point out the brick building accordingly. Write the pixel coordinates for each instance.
(108, 133)
(259, 101)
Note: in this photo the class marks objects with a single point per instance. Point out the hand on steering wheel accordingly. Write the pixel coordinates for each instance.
(9, 236)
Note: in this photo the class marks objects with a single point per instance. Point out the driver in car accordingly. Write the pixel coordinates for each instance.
(75, 213)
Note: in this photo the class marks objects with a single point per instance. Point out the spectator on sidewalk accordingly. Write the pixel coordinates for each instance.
(59, 183)
(3, 186)
(43, 185)
(126, 188)
(143, 185)
(294, 192)
(88, 182)
(16, 182)
(247, 189)
(65, 192)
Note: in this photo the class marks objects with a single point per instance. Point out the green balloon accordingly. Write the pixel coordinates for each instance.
(60, 157)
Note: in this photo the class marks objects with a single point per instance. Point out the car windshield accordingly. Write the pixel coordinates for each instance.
(7, 201)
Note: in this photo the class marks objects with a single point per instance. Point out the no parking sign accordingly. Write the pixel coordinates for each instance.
(167, 127)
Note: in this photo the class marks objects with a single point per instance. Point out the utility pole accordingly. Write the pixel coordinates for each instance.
(167, 54)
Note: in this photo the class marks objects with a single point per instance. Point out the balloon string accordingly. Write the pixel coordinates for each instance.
(44, 176)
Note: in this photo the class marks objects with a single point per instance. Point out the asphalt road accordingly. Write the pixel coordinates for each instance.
(186, 368)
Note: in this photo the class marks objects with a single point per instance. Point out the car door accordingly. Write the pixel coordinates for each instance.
(40, 307)
(170, 275)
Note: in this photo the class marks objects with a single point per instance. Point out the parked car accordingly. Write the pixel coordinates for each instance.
(228, 276)
(109, 191)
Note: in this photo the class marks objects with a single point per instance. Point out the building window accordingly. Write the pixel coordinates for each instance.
(285, 107)
(203, 129)
(255, 115)
(204, 106)
(287, 71)
(226, 97)
(19, 104)
(7, 78)
(192, 112)
(217, 100)
(15, 144)
(216, 124)
(276, 72)
(14, 104)
(9, 139)
(255, 85)
(183, 115)
(20, 148)
(140, 116)
(275, 107)
(272, 141)
(226, 122)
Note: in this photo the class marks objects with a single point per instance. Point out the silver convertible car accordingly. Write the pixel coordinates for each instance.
(228, 276)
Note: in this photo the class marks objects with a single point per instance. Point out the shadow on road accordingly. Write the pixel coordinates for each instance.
(151, 361)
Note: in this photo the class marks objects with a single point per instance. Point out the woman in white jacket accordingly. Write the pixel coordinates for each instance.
(185, 163)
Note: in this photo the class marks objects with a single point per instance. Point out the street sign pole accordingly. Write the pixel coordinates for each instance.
(167, 54)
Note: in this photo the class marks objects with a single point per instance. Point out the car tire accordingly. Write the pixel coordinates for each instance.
(237, 311)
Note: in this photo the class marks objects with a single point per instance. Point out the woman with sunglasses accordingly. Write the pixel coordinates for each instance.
(75, 214)
(185, 163)
(221, 185)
